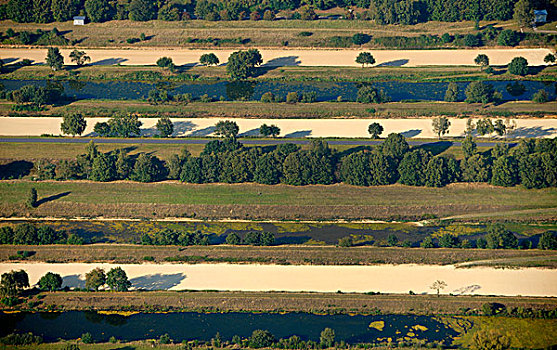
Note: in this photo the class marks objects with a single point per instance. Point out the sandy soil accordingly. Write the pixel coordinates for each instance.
(383, 278)
(419, 128)
(295, 57)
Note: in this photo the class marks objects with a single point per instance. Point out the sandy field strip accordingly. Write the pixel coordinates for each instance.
(294, 57)
(383, 278)
(409, 127)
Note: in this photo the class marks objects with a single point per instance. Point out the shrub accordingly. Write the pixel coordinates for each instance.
(540, 97)
(267, 97)
(507, 38)
(360, 38)
(292, 97)
(87, 338)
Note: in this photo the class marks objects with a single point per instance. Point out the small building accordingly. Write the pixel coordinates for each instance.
(79, 21)
(540, 16)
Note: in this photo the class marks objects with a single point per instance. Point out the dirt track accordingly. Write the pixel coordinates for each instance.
(420, 128)
(294, 57)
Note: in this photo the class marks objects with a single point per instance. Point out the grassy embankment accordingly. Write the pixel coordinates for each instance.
(281, 202)
(253, 33)
(291, 255)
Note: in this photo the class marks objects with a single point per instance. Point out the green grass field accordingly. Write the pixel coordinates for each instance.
(282, 202)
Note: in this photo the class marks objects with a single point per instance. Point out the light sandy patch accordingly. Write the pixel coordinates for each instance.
(382, 278)
(298, 57)
(409, 127)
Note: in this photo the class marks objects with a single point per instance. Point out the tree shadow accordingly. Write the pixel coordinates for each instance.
(203, 132)
(250, 133)
(436, 147)
(287, 61)
(109, 61)
(52, 198)
(352, 150)
(157, 281)
(73, 281)
(411, 133)
(301, 133)
(395, 63)
(536, 131)
(467, 290)
(15, 170)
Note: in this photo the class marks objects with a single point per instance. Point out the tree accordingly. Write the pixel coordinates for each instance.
(504, 172)
(125, 125)
(64, 10)
(438, 286)
(268, 170)
(51, 282)
(484, 126)
(269, 130)
(375, 129)
(451, 95)
(87, 338)
(479, 92)
(500, 238)
(102, 129)
(369, 94)
(20, 11)
(482, 60)
(99, 10)
(142, 10)
(209, 59)
(441, 171)
(241, 64)
(499, 127)
(507, 38)
(395, 146)
(440, 126)
(490, 340)
(549, 58)
(427, 243)
(103, 168)
(73, 124)
(227, 129)
(166, 63)
(268, 15)
(523, 13)
(32, 198)
(518, 66)
(307, 13)
(360, 39)
(469, 146)
(79, 57)
(476, 168)
(392, 240)
(95, 279)
(365, 58)
(233, 239)
(327, 338)
(165, 127)
(292, 97)
(54, 58)
(540, 97)
(345, 242)
(261, 339)
(548, 241)
(146, 168)
(117, 280)
(412, 168)
(13, 282)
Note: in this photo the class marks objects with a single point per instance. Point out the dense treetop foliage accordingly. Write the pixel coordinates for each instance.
(382, 11)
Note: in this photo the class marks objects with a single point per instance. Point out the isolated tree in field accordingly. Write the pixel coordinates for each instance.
(209, 59)
(440, 126)
(54, 58)
(518, 66)
(165, 127)
(79, 57)
(166, 63)
(227, 129)
(51, 282)
(117, 280)
(125, 125)
(241, 64)
(327, 338)
(549, 58)
(438, 286)
(375, 129)
(451, 95)
(95, 279)
(13, 282)
(490, 340)
(365, 58)
(269, 130)
(32, 198)
(482, 61)
(499, 127)
(523, 13)
(480, 92)
(548, 241)
(73, 124)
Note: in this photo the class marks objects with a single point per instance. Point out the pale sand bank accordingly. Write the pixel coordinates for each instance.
(200, 127)
(382, 278)
(295, 57)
